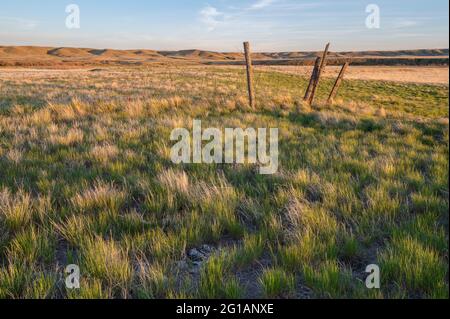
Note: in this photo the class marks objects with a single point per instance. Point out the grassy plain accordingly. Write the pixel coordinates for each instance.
(86, 178)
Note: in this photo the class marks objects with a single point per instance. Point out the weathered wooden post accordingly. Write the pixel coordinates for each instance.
(339, 80)
(322, 66)
(313, 78)
(248, 61)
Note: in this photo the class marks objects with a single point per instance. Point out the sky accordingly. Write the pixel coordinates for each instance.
(222, 25)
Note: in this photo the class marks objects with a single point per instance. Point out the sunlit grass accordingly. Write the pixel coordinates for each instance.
(86, 178)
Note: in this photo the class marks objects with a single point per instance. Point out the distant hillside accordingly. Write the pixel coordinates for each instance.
(60, 57)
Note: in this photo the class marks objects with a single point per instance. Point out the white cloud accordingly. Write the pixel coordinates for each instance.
(404, 23)
(210, 17)
(260, 4)
(19, 23)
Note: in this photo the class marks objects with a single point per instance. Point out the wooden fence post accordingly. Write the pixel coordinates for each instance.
(323, 63)
(313, 78)
(339, 80)
(248, 61)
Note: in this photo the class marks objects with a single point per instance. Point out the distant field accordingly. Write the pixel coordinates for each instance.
(406, 74)
(86, 178)
(403, 74)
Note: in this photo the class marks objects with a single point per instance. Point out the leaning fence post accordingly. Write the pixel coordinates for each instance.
(248, 62)
(339, 80)
(323, 63)
(313, 78)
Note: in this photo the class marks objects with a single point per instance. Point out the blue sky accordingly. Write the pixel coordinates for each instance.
(222, 25)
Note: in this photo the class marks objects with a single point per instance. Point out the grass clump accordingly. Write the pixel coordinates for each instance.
(416, 268)
(32, 246)
(152, 282)
(329, 280)
(105, 260)
(15, 210)
(251, 250)
(277, 283)
(101, 196)
(216, 282)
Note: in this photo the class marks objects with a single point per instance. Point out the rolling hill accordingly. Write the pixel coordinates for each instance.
(73, 57)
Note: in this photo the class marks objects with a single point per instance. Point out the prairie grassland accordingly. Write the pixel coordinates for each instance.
(86, 178)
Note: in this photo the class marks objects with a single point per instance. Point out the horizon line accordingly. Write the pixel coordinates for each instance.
(217, 51)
